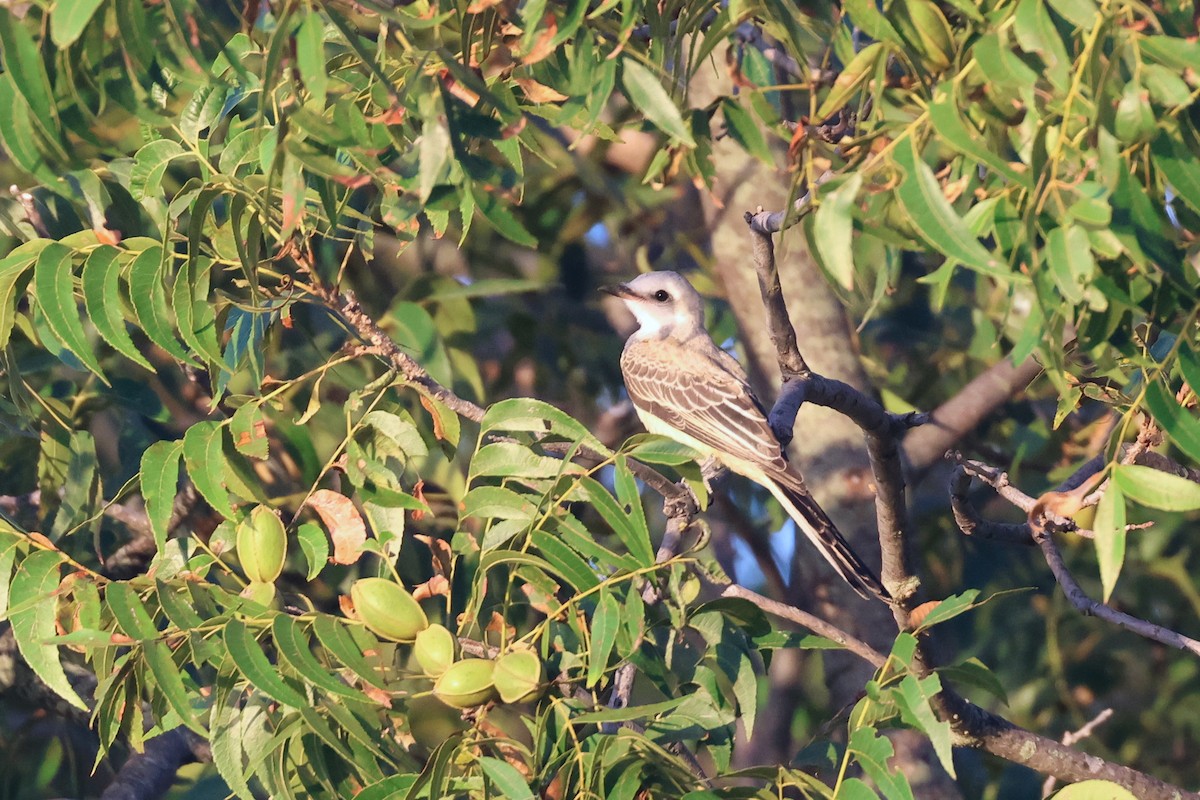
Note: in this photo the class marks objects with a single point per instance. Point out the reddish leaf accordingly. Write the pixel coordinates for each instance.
(345, 525)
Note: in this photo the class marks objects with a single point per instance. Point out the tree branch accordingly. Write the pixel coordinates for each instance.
(1042, 522)
(963, 412)
(879, 427)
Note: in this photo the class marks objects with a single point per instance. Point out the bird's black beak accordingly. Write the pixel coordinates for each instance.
(620, 290)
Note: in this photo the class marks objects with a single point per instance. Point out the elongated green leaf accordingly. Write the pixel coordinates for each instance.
(334, 637)
(500, 217)
(606, 623)
(630, 713)
(32, 615)
(745, 130)
(874, 753)
(69, 19)
(947, 119)
(511, 459)
(203, 453)
(102, 298)
(530, 414)
(629, 497)
(937, 223)
(974, 672)
(17, 131)
(249, 657)
(505, 779)
(1182, 427)
(1109, 526)
(160, 478)
(194, 314)
(1070, 255)
(635, 537)
(913, 696)
(149, 298)
(565, 561)
(950, 608)
(1157, 489)
(314, 544)
(9, 542)
(852, 78)
(1094, 790)
(833, 237)
(131, 614)
(54, 288)
(23, 62)
(496, 502)
(648, 96)
(653, 449)
(310, 55)
(293, 645)
(1180, 166)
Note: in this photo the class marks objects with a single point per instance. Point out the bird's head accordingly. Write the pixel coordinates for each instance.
(664, 303)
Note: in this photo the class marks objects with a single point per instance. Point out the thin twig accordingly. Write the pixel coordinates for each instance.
(1072, 737)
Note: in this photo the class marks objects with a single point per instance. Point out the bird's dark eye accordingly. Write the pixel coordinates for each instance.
(661, 296)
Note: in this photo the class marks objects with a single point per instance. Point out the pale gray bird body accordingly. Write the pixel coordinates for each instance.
(686, 388)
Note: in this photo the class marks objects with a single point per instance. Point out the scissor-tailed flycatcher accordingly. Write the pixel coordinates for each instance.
(686, 388)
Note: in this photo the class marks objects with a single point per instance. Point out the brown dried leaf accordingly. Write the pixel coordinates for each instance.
(498, 625)
(435, 586)
(538, 92)
(443, 556)
(345, 525)
(544, 44)
(347, 606)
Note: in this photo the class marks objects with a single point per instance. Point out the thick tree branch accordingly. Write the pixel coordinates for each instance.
(880, 428)
(963, 412)
(151, 773)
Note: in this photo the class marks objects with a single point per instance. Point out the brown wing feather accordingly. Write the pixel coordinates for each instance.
(688, 391)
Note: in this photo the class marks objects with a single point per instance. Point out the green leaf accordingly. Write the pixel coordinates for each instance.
(54, 289)
(1094, 790)
(631, 500)
(333, 636)
(1181, 426)
(149, 298)
(651, 448)
(947, 120)
(505, 779)
(496, 502)
(160, 478)
(606, 623)
(565, 561)
(629, 713)
(1109, 527)
(23, 62)
(249, 658)
(1157, 489)
(32, 615)
(856, 73)
(874, 754)
(530, 414)
(833, 227)
(9, 543)
(913, 695)
(203, 453)
(195, 315)
(314, 544)
(1179, 166)
(745, 130)
(102, 299)
(150, 165)
(248, 428)
(293, 645)
(1070, 255)
(310, 55)
(635, 537)
(648, 96)
(131, 614)
(936, 221)
(500, 217)
(17, 131)
(974, 672)
(69, 19)
(509, 459)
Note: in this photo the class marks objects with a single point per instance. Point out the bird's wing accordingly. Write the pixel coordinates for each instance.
(693, 392)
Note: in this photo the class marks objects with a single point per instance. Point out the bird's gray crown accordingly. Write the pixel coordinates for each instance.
(664, 303)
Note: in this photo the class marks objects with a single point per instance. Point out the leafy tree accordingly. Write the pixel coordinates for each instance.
(303, 361)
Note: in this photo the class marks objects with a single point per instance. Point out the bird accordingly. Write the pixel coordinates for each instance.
(687, 389)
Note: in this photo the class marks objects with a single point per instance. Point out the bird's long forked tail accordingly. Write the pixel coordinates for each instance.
(819, 528)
